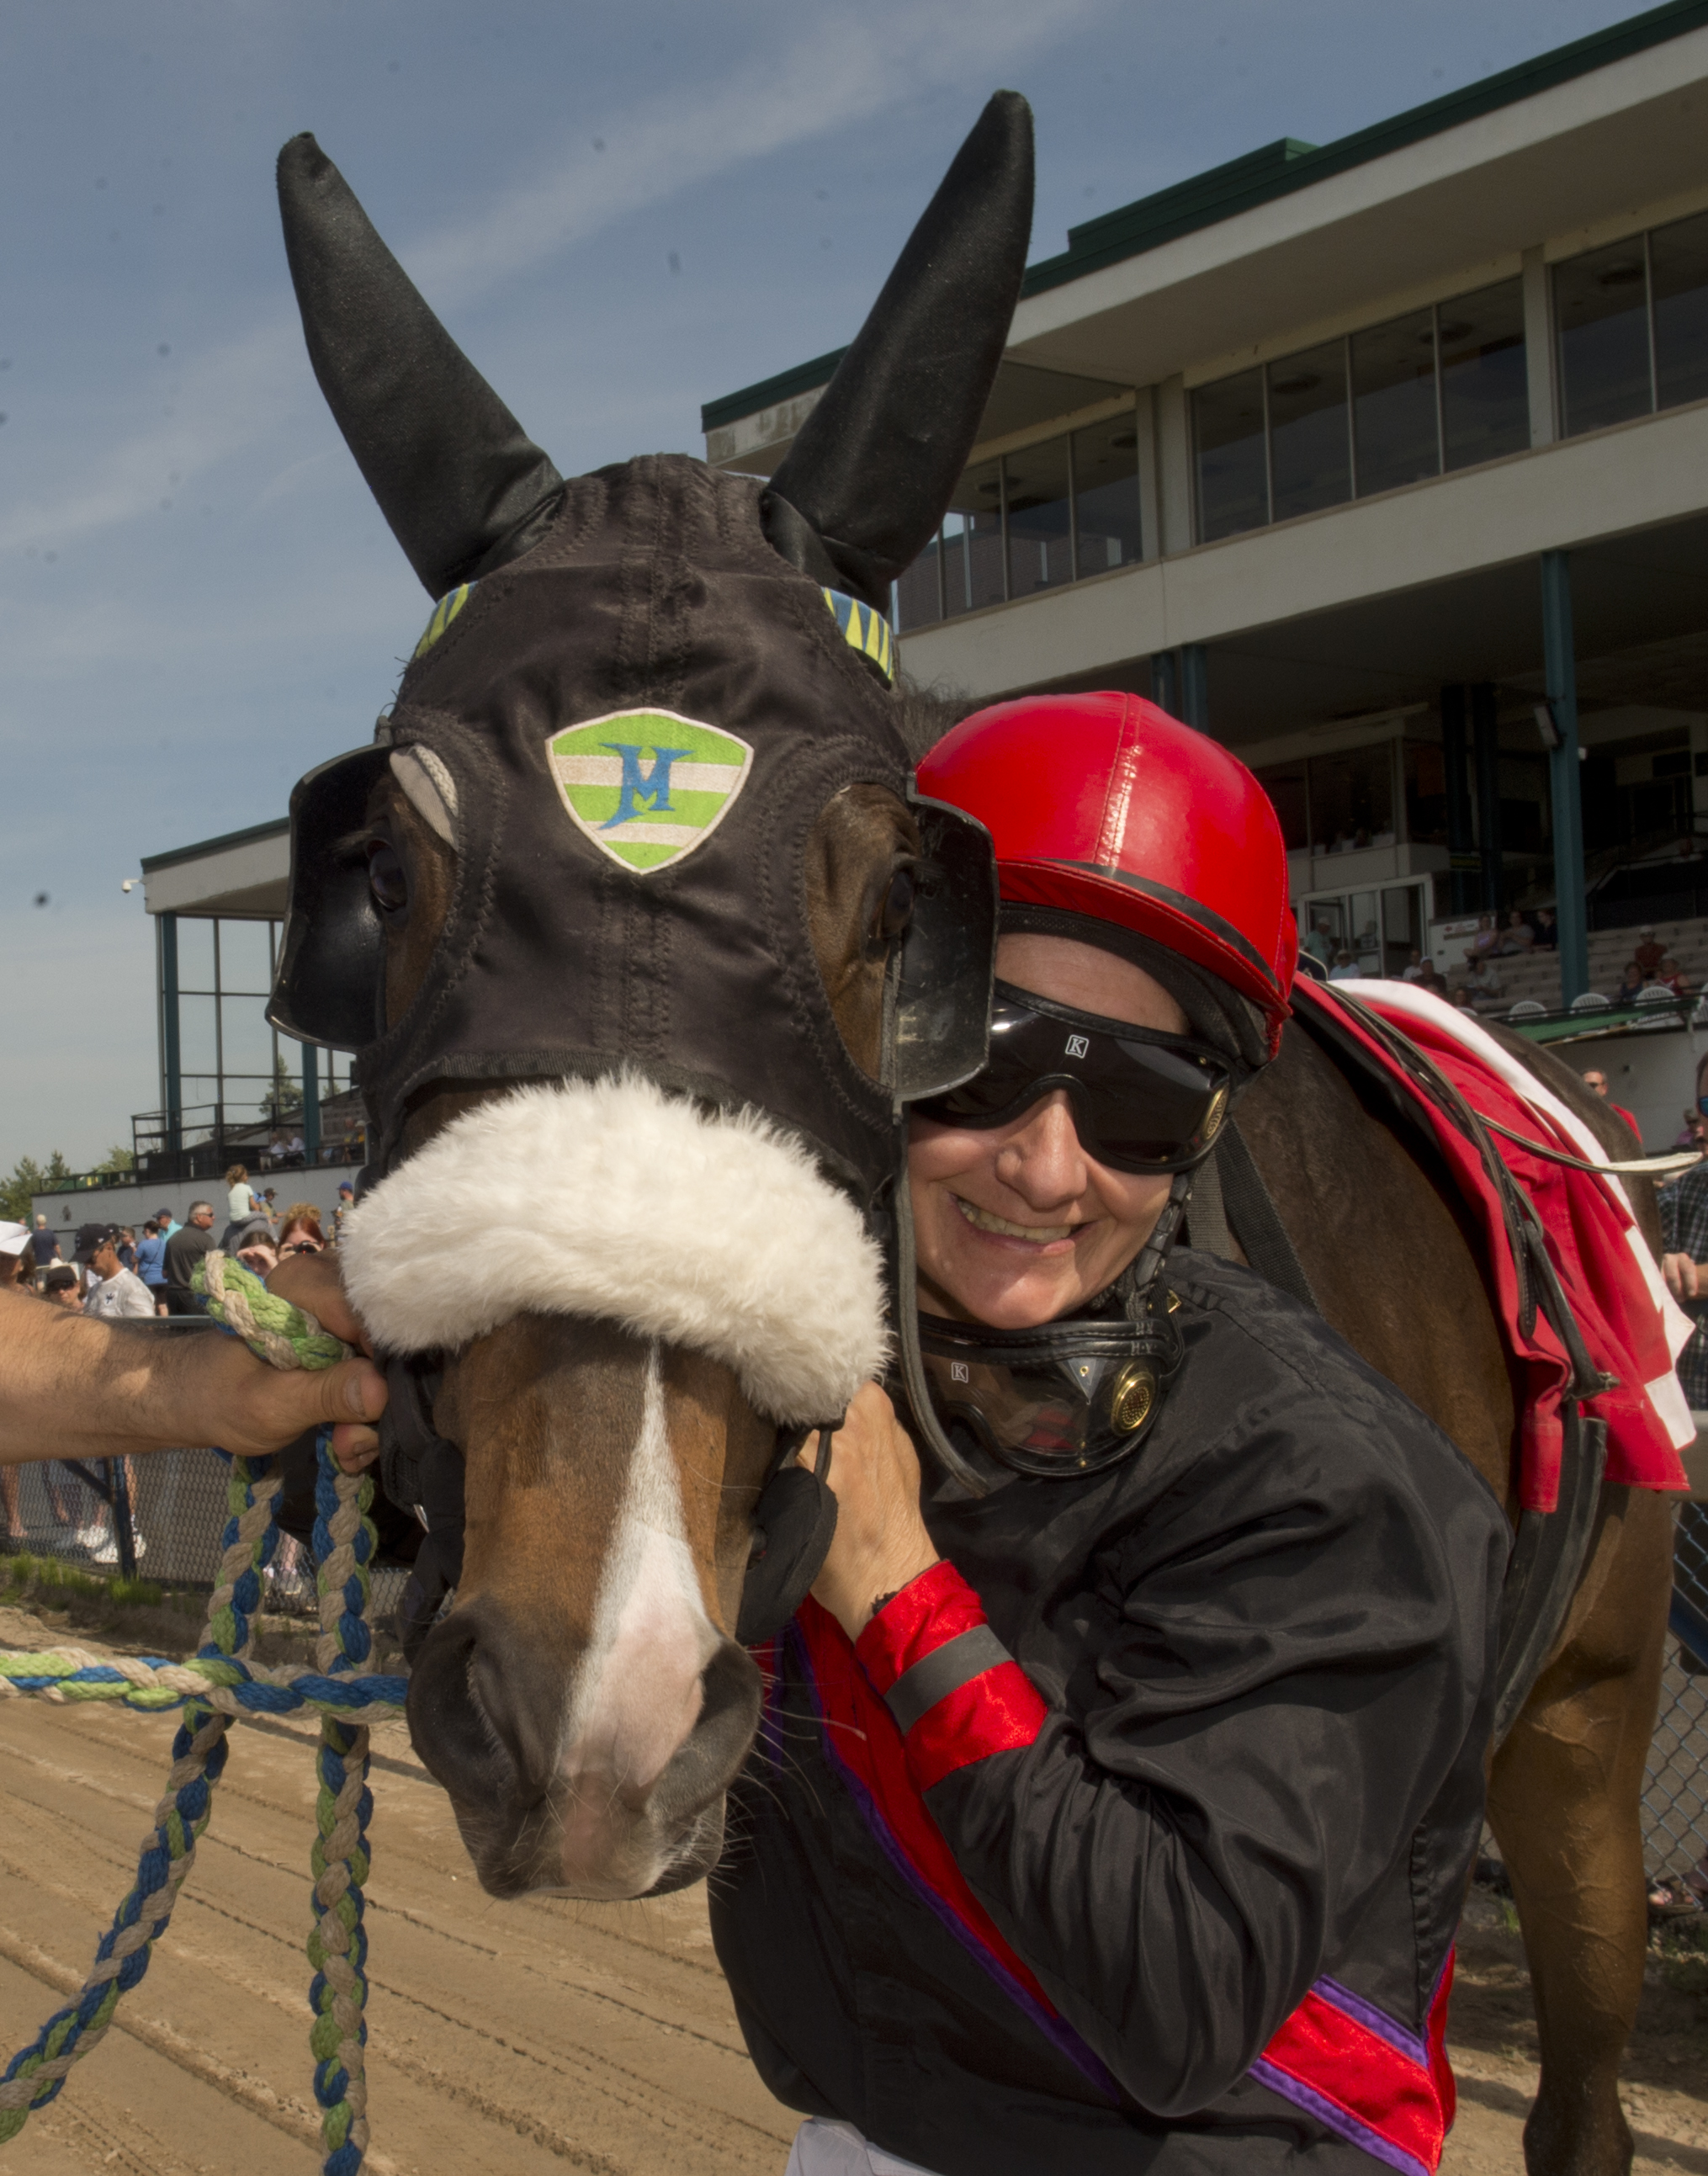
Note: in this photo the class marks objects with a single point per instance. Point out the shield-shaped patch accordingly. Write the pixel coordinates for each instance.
(647, 786)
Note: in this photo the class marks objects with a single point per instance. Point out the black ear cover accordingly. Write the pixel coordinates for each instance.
(873, 466)
(461, 485)
(794, 1524)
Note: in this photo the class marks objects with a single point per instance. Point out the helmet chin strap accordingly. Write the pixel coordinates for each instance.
(1136, 1285)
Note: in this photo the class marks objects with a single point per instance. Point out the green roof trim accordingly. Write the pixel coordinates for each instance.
(802, 379)
(251, 837)
(1276, 170)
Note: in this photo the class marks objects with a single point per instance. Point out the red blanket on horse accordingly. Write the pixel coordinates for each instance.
(1627, 1318)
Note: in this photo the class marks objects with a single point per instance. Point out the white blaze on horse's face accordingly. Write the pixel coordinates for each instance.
(638, 1691)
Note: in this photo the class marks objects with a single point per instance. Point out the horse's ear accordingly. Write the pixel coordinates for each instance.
(464, 489)
(860, 492)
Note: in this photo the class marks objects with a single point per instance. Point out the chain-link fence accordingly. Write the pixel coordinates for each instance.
(1675, 1791)
(176, 1504)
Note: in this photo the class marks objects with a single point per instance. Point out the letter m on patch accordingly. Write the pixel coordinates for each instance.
(652, 786)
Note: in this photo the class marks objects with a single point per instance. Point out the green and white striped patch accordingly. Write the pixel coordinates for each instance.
(646, 786)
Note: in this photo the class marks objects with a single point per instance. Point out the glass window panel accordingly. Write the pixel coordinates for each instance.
(247, 1039)
(244, 964)
(916, 599)
(1394, 403)
(196, 1046)
(1041, 550)
(1365, 940)
(1601, 306)
(972, 541)
(1426, 793)
(1402, 927)
(1106, 495)
(1285, 785)
(1678, 267)
(1310, 463)
(1352, 799)
(1485, 390)
(1228, 450)
(1323, 929)
(195, 953)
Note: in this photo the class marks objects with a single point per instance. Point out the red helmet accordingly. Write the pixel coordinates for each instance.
(1107, 805)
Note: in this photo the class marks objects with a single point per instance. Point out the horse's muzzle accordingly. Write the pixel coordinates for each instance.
(488, 1716)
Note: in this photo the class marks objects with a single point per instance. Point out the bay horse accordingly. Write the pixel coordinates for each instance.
(1396, 1268)
(612, 913)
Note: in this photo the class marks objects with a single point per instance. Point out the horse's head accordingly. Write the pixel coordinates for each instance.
(618, 912)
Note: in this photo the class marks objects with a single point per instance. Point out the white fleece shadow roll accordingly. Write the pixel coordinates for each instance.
(611, 1199)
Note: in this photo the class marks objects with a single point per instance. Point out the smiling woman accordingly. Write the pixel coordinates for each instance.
(1064, 1827)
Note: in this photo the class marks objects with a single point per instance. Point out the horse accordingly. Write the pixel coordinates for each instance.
(1565, 1784)
(634, 1043)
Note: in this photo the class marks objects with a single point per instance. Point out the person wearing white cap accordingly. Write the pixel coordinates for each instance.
(14, 1239)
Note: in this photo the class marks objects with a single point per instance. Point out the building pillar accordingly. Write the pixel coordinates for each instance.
(1165, 681)
(1461, 850)
(171, 1063)
(1485, 740)
(310, 1104)
(1194, 685)
(1560, 665)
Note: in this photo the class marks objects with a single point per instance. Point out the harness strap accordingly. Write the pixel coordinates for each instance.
(1250, 1208)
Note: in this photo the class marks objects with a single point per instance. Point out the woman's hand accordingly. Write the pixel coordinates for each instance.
(1681, 1275)
(880, 1541)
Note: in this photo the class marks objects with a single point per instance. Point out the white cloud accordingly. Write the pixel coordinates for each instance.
(826, 77)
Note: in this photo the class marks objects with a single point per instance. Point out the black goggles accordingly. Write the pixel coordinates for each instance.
(1056, 1402)
(1143, 1100)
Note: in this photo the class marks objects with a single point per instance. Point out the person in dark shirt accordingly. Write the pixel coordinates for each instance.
(1121, 1777)
(44, 1243)
(184, 1249)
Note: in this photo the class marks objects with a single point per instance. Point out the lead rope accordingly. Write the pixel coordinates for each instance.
(221, 1682)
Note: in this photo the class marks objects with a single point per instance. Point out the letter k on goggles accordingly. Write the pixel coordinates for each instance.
(1142, 1101)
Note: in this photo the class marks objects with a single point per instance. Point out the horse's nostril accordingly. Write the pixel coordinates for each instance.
(471, 1717)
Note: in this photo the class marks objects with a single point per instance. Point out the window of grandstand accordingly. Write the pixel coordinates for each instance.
(1633, 326)
(1049, 514)
(1434, 390)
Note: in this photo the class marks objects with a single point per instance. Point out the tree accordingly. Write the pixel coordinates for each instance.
(28, 1178)
(117, 1163)
(283, 1099)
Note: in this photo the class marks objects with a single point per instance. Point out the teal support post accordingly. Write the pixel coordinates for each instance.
(1560, 668)
(1165, 681)
(310, 1104)
(172, 1061)
(1194, 685)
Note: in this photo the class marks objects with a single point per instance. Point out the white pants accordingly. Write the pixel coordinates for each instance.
(837, 2149)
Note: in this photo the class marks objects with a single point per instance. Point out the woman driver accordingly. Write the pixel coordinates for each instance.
(1117, 1797)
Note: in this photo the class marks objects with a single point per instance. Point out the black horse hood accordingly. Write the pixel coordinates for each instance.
(641, 720)
(638, 691)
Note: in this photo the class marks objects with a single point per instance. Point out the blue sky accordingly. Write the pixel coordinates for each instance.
(620, 212)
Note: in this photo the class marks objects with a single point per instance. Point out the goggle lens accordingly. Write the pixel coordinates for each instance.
(1143, 1102)
(1067, 1400)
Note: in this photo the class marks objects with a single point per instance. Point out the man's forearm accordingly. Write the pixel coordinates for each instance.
(75, 1387)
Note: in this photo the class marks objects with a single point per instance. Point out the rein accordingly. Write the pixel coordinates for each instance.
(221, 1682)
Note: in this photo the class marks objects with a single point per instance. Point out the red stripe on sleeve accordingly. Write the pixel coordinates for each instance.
(995, 1712)
(937, 1607)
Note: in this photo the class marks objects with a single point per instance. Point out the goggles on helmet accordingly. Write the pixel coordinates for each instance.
(1143, 1100)
(1058, 1402)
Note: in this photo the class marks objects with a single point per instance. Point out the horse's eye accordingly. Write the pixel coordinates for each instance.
(897, 909)
(386, 878)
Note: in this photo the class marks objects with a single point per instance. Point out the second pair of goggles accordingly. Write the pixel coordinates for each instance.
(1143, 1100)
(1058, 1402)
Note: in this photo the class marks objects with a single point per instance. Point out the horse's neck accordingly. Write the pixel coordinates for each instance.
(1388, 1248)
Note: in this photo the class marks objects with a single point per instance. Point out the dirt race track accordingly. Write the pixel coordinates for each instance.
(515, 2037)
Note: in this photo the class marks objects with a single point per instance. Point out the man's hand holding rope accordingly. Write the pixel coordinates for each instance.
(71, 1387)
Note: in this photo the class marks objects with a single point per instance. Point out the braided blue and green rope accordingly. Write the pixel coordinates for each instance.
(221, 1682)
